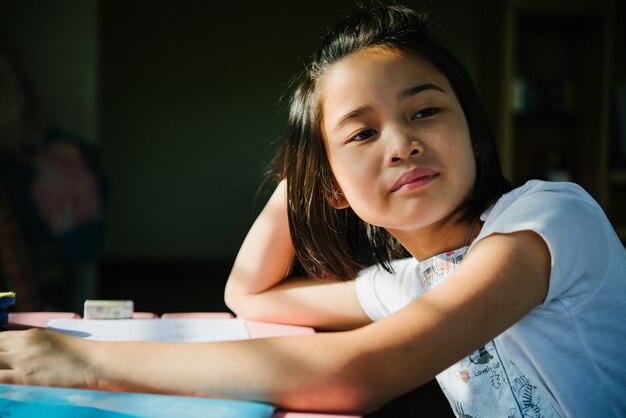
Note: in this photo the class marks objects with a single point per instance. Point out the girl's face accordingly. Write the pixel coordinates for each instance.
(397, 140)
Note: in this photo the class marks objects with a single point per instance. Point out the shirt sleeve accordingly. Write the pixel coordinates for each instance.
(382, 293)
(573, 227)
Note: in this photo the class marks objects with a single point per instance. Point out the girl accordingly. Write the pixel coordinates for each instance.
(513, 298)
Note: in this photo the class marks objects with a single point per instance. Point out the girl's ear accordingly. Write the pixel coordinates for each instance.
(336, 198)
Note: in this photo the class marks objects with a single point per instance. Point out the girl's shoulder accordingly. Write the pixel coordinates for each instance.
(581, 241)
(541, 195)
(558, 187)
(562, 213)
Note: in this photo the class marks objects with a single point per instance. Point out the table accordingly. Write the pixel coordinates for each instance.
(256, 329)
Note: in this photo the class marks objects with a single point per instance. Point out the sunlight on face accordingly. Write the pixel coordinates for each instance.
(397, 139)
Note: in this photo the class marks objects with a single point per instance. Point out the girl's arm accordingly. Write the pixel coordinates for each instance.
(502, 279)
(259, 286)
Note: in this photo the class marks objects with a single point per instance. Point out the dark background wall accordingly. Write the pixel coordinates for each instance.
(190, 109)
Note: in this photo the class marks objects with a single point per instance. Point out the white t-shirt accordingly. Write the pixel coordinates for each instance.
(567, 357)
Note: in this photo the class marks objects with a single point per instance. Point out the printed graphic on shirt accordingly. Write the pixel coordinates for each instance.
(487, 383)
(436, 269)
(481, 356)
(527, 395)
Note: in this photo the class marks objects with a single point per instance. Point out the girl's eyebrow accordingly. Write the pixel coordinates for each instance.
(408, 92)
(359, 111)
(412, 91)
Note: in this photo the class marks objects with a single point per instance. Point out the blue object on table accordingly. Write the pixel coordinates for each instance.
(36, 401)
(28, 410)
(6, 300)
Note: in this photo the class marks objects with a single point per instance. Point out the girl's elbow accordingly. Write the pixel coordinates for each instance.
(346, 398)
(233, 298)
(357, 388)
(372, 384)
(369, 398)
(241, 303)
(362, 398)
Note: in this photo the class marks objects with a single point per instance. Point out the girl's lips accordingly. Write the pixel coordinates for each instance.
(414, 178)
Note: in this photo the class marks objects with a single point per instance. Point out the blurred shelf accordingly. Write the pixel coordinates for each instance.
(549, 89)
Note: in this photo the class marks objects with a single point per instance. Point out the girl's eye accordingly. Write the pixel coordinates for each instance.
(363, 135)
(425, 113)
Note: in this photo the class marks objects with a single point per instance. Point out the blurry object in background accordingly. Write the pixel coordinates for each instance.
(55, 187)
(108, 309)
(547, 82)
(552, 68)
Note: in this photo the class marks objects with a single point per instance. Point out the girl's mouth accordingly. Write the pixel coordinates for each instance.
(414, 178)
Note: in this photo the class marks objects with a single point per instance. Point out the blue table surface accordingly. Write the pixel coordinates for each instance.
(35, 401)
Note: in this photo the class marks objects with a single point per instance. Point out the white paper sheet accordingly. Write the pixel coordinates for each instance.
(165, 330)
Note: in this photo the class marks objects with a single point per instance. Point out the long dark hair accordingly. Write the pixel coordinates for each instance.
(330, 241)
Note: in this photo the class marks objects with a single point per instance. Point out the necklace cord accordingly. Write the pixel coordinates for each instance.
(469, 234)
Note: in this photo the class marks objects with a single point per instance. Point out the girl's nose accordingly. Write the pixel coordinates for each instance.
(402, 147)
(404, 155)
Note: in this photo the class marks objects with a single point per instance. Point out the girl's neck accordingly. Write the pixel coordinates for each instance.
(438, 238)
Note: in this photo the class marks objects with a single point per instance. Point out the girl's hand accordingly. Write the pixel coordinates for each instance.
(44, 358)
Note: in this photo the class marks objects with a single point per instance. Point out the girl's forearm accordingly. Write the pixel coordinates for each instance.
(266, 255)
(259, 288)
(292, 372)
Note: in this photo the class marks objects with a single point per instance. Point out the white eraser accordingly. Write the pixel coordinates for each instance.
(108, 309)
